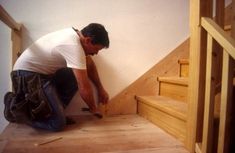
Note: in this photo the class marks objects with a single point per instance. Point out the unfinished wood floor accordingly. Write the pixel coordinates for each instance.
(119, 134)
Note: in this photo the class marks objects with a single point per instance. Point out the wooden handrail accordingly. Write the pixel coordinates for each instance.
(16, 30)
(228, 45)
(226, 41)
(8, 20)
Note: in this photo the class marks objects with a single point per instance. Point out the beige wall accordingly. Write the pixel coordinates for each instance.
(5, 67)
(142, 32)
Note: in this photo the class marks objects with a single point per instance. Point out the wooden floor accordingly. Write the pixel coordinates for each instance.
(119, 134)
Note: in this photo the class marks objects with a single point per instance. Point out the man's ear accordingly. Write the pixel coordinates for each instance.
(87, 40)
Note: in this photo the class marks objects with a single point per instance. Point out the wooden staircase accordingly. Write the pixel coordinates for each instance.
(168, 110)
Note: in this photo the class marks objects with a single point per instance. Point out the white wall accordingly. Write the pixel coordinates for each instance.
(141, 32)
(5, 67)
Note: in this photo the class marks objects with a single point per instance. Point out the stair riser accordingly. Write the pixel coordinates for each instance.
(174, 126)
(174, 91)
(184, 70)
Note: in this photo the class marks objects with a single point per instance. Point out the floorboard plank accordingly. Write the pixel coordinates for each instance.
(118, 134)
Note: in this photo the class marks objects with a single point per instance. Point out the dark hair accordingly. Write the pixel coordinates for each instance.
(97, 33)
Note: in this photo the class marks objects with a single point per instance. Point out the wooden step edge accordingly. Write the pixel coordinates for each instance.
(227, 27)
(149, 100)
(198, 148)
(183, 61)
(174, 80)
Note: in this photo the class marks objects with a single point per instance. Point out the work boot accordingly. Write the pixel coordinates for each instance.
(8, 98)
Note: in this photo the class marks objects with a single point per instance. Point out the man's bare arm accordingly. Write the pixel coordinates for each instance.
(85, 88)
(94, 77)
(92, 72)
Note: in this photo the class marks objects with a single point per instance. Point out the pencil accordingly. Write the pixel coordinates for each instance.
(49, 141)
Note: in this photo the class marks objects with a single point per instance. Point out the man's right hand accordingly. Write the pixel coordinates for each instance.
(85, 88)
(103, 96)
(96, 112)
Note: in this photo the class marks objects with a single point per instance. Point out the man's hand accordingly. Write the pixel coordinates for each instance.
(96, 113)
(103, 96)
(85, 88)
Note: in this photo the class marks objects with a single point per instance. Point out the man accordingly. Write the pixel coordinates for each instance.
(48, 73)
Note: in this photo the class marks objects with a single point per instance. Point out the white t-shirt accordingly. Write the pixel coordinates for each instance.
(53, 51)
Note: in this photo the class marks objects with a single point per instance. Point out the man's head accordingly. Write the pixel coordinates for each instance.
(95, 38)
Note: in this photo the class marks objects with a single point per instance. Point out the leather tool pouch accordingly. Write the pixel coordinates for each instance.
(30, 102)
(39, 105)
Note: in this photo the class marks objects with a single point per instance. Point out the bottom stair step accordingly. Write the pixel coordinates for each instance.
(164, 112)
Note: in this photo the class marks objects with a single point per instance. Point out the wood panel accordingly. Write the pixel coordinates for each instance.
(198, 8)
(184, 70)
(126, 134)
(165, 121)
(172, 107)
(174, 80)
(177, 92)
(184, 67)
(125, 103)
(175, 88)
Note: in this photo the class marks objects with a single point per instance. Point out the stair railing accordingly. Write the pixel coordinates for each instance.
(16, 29)
(214, 32)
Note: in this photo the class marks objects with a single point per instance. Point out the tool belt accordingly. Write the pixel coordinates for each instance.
(30, 100)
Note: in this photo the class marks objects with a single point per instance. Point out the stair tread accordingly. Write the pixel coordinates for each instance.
(183, 61)
(173, 107)
(175, 80)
